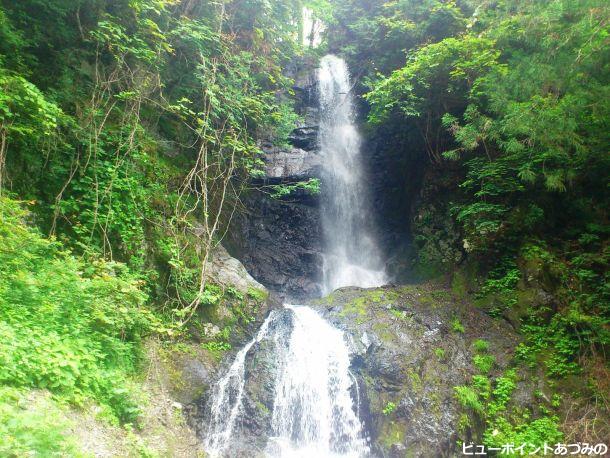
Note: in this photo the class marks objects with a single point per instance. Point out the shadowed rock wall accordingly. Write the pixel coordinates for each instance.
(279, 240)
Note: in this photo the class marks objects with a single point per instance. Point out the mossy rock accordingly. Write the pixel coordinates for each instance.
(397, 334)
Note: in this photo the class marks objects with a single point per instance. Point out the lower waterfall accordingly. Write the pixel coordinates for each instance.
(314, 413)
(314, 410)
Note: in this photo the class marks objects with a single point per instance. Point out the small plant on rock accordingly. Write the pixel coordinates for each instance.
(389, 408)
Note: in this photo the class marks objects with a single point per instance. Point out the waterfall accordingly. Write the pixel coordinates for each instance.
(227, 397)
(313, 412)
(315, 405)
(352, 257)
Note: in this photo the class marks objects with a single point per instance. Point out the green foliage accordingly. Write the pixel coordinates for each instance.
(457, 326)
(524, 113)
(311, 186)
(469, 399)
(511, 109)
(480, 345)
(126, 126)
(482, 385)
(503, 427)
(217, 348)
(499, 287)
(502, 392)
(457, 62)
(538, 432)
(284, 120)
(557, 342)
(440, 353)
(26, 114)
(389, 408)
(484, 363)
(377, 35)
(32, 425)
(258, 295)
(108, 111)
(66, 325)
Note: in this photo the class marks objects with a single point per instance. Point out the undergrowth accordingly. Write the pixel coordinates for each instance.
(70, 326)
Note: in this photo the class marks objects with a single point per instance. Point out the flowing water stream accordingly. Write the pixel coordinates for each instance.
(315, 405)
(351, 256)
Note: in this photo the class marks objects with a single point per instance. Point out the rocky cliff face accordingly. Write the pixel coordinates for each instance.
(411, 346)
(278, 240)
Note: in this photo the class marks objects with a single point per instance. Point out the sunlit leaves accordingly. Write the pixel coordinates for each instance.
(24, 110)
(436, 71)
(67, 326)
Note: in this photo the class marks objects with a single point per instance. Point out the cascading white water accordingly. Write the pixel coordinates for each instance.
(228, 395)
(351, 256)
(314, 411)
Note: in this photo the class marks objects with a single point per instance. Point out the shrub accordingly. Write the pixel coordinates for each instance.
(469, 398)
(484, 363)
(70, 326)
(480, 345)
(389, 408)
(457, 326)
(32, 426)
(536, 432)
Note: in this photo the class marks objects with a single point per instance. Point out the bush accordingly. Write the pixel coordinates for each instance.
(32, 426)
(66, 325)
(457, 326)
(484, 363)
(536, 432)
(469, 399)
(480, 345)
(389, 408)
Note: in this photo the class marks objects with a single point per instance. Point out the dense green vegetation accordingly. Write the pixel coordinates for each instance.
(506, 102)
(68, 325)
(128, 123)
(130, 128)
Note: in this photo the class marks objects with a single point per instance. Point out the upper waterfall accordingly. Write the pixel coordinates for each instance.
(352, 257)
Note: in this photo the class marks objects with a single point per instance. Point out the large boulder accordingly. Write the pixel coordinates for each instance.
(225, 270)
(411, 346)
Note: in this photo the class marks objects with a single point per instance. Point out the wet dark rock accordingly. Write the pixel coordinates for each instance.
(305, 137)
(279, 243)
(253, 427)
(279, 240)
